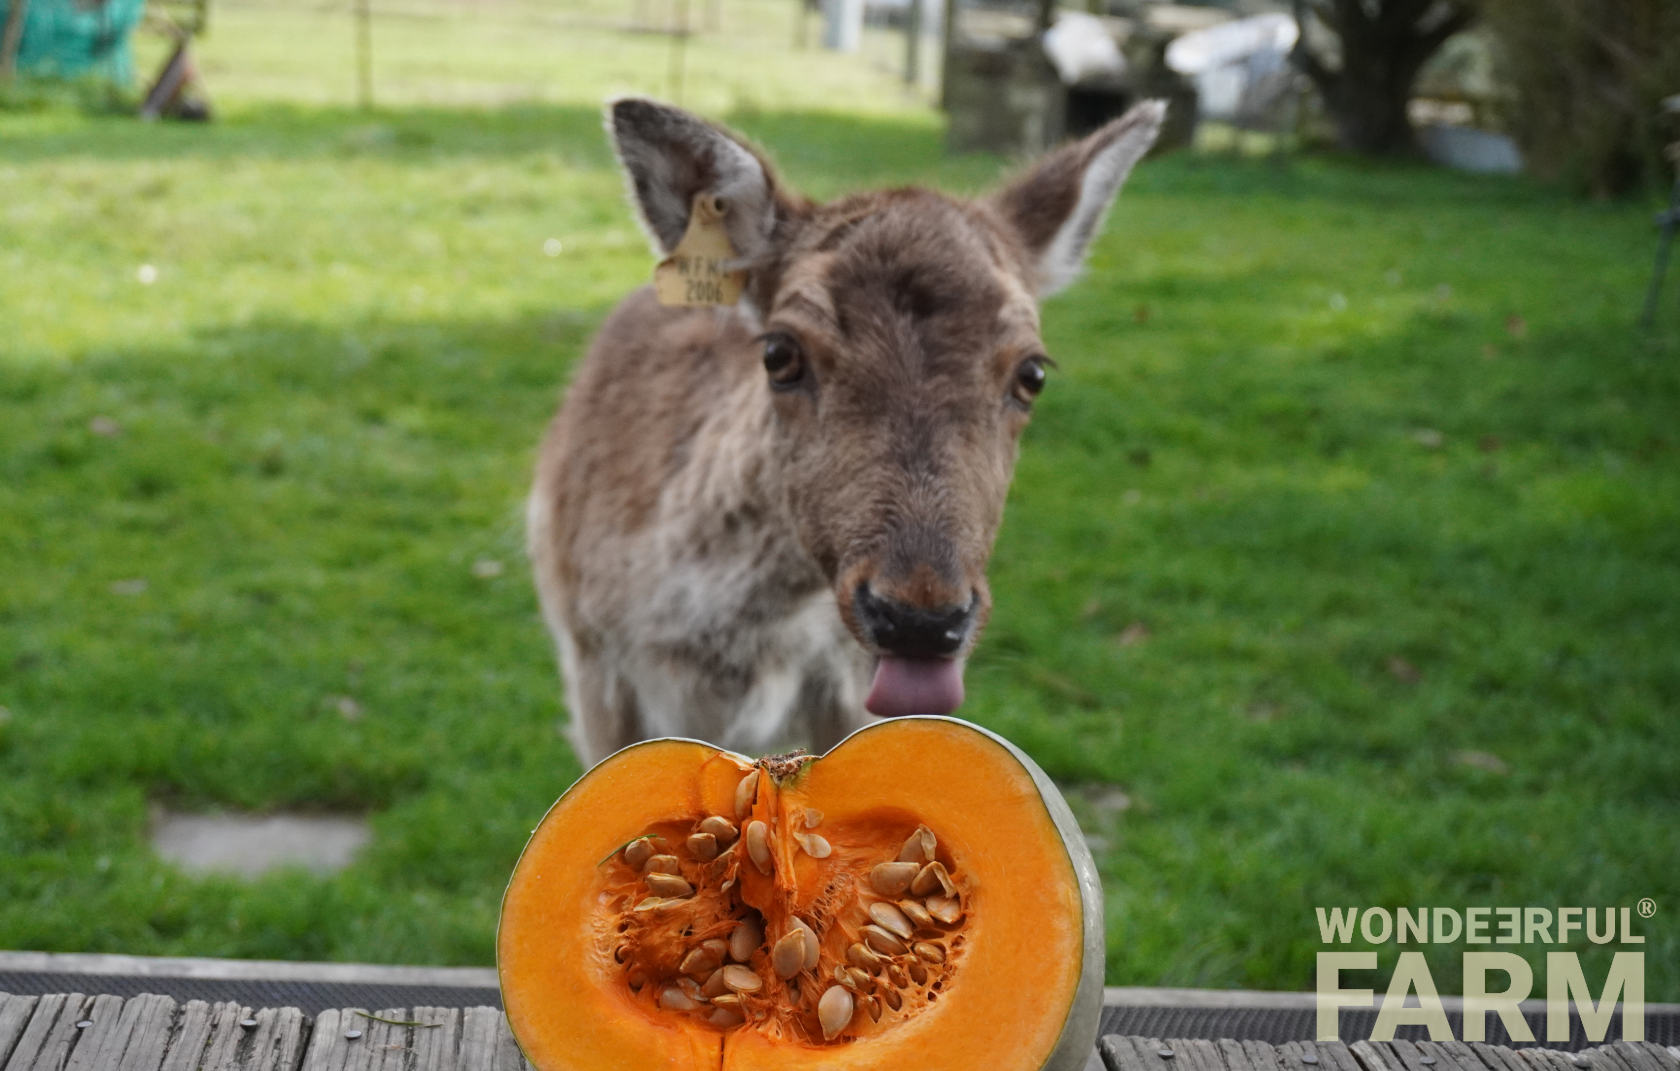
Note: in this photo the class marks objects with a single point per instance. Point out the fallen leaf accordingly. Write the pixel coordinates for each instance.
(1516, 326)
(1489, 444)
(133, 586)
(347, 708)
(1141, 314)
(105, 427)
(1402, 670)
(1428, 438)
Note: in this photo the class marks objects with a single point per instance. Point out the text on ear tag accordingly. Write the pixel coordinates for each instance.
(694, 273)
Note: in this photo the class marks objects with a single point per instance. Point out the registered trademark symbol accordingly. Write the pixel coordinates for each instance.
(1647, 908)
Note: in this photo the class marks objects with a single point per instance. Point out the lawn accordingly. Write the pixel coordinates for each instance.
(1342, 566)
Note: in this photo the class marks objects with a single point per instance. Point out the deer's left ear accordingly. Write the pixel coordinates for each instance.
(1058, 206)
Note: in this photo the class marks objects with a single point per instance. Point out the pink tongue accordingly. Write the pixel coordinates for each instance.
(915, 686)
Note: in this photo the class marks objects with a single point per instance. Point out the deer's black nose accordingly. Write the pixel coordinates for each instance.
(912, 631)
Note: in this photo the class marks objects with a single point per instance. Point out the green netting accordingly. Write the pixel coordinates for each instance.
(76, 38)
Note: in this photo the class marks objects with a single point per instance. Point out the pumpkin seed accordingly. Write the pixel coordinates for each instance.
(947, 909)
(858, 977)
(916, 913)
(745, 939)
(787, 957)
(813, 818)
(744, 794)
(815, 844)
(890, 995)
(933, 877)
(872, 1004)
(893, 879)
(929, 951)
(727, 1000)
(834, 1011)
(813, 947)
(673, 999)
(861, 955)
(717, 946)
(758, 845)
(653, 903)
(883, 941)
(742, 979)
(889, 917)
(662, 864)
(714, 985)
(919, 846)
(700, 961)
(703, 846)
(662, 884)
(691, 987)
(726, 1017)
(638, 852)
(841, 975)
(918, 973)
(895, 975)
(721, 828)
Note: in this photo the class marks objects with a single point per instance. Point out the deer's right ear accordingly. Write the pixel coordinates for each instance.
(669, 155)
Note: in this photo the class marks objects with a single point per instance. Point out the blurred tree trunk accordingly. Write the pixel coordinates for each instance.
(11, 38)
(1383, 46)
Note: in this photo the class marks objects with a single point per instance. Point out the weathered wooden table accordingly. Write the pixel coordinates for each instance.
(74, 1032)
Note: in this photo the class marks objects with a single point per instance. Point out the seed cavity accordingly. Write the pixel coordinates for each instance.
(834, 1011)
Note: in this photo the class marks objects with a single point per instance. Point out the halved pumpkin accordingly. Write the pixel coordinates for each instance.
(918, 897)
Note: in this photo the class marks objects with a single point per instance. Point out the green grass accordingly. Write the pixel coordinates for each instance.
(1373, 455)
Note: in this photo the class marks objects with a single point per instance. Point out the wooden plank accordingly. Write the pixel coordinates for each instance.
(187, 1037)
(1197, 1054)
(436, 1047)
(99, 1047)
(1372, 1056)
(47, 1041)
(15, 1012)
(327, 1047)
(1261, 1056)
(273, 1040)
(1237, 1058)
(1135, 1054)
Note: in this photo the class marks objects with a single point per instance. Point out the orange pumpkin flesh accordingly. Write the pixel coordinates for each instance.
(606, 965)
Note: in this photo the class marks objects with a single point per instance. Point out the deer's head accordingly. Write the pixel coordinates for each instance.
(901, 354)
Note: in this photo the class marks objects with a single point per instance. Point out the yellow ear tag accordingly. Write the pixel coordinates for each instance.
(694, 272)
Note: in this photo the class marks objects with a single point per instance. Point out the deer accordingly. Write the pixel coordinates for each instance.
(766, 524)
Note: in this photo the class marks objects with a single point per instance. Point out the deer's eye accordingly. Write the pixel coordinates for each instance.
(784, 360)
(1029, 379)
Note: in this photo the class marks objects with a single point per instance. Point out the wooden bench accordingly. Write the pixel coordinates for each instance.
(76, 1032)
